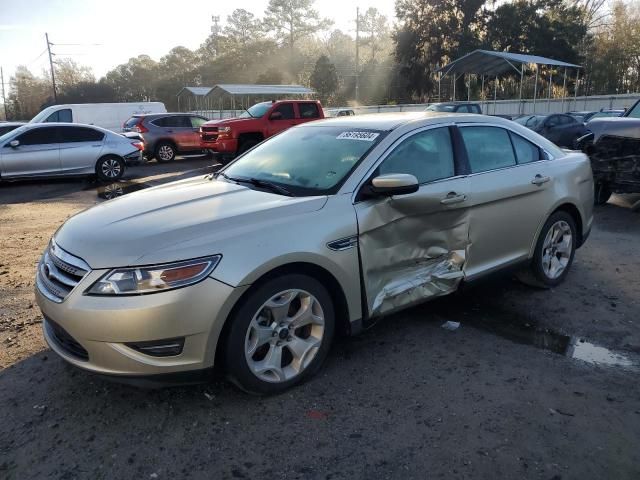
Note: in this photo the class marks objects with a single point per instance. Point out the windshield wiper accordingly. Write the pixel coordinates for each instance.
(259, 183)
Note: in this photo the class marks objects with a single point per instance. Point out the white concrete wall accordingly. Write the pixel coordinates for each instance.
(508, 107)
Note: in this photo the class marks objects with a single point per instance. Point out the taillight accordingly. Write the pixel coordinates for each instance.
(138, 145)
(140, 128)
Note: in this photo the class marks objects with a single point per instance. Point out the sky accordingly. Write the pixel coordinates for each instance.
(103, 34)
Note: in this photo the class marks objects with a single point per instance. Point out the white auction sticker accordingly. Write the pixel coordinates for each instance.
(364, 136)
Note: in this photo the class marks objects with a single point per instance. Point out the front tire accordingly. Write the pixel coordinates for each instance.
(165, 152)
(554, 252)
(280, 335)
(110, 169)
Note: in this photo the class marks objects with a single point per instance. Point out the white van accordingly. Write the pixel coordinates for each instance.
(106, 115)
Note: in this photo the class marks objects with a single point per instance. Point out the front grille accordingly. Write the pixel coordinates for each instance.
(209, 134)
(65, 341)
(59, 272)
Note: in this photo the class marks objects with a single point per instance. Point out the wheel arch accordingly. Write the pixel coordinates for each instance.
(313, 270)
(243, 137)
(570, 208)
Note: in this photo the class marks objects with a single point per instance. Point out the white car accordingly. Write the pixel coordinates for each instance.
(60, 149)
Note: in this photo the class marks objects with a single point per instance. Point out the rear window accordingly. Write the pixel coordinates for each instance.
(132, 122)
(79, 134)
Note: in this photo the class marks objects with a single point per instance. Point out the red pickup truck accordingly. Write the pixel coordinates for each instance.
(234, 136)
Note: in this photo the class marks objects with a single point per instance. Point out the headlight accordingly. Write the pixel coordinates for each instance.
(224, 129)
(154, 278)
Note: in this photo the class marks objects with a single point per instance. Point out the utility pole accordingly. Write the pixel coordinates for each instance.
(53, 75)
(215, 31)
(4, 100)
(357, 52)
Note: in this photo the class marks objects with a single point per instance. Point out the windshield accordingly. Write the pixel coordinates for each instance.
(312, 160)
(440, 108)
(256, 111)
(39, 118)
(530, 121)
(635, 111)
(11, 133)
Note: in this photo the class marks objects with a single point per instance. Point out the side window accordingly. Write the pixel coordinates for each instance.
(463, 109)
(553, 121)
(183, 121)
(526, 152)
(567, 120)
(196, 122)
(488, 148)
(39, 136)
(308, 110)
(475, 109)
(427, 155)
(635, 111)
(286, 109)
(65, 116)
(79, 134)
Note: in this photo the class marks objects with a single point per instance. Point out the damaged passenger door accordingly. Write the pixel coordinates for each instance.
(413, 246)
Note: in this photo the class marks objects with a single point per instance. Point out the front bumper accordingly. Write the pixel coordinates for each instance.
(98, 328)
(229, 145)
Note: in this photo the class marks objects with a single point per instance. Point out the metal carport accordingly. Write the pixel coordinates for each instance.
(490, 63)
(225, 95)
(192, 98)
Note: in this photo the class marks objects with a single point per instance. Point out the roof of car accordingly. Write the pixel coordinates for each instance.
(391, 121)
(11, 124)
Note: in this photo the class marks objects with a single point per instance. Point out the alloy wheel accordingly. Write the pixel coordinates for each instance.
(111, 168)
(165, 152)
(284, 336)
(557, 249)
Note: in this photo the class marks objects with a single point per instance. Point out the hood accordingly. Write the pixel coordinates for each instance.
(615, 126)
(227, 122)
(177, 221)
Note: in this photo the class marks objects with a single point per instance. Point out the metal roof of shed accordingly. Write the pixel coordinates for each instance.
(249, 89)
(487, 62)
(197, 91)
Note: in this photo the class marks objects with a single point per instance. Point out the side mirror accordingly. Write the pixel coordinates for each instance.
(14, 143)
(275, 116)
(394, 184)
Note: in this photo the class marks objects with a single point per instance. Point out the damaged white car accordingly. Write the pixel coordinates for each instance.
(322, 228)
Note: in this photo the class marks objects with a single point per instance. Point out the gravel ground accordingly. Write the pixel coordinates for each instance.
(495, 398)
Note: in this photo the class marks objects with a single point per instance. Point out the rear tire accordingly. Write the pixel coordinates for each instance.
(280, 335)
(110, 169)
(165, 152)
(601, 194)
(554, 252)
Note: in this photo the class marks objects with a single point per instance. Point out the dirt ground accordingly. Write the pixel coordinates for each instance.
(533, 384)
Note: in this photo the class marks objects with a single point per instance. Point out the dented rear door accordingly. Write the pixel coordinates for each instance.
(413, 247)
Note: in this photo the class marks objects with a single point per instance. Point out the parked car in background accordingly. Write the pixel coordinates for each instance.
(168, 134)
(457, 107)
(105, 115)
(339, 112)
(323, 228)
(607, 113)
(237, 135)
(60, 149)
(561, 129)
(582, 116)
(613, 145)
(6, 127)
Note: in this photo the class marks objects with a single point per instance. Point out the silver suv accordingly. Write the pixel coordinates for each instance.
(323, 228)
(167, 134)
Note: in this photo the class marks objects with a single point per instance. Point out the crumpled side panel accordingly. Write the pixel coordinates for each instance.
(412, 248)
(431, 278)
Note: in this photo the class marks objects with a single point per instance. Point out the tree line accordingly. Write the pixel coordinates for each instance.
(397, 60)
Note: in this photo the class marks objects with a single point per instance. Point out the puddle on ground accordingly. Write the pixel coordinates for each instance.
(567, 345)
(118, 189)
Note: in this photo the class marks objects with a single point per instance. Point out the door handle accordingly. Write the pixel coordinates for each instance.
(539, 180)
(453, 197)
